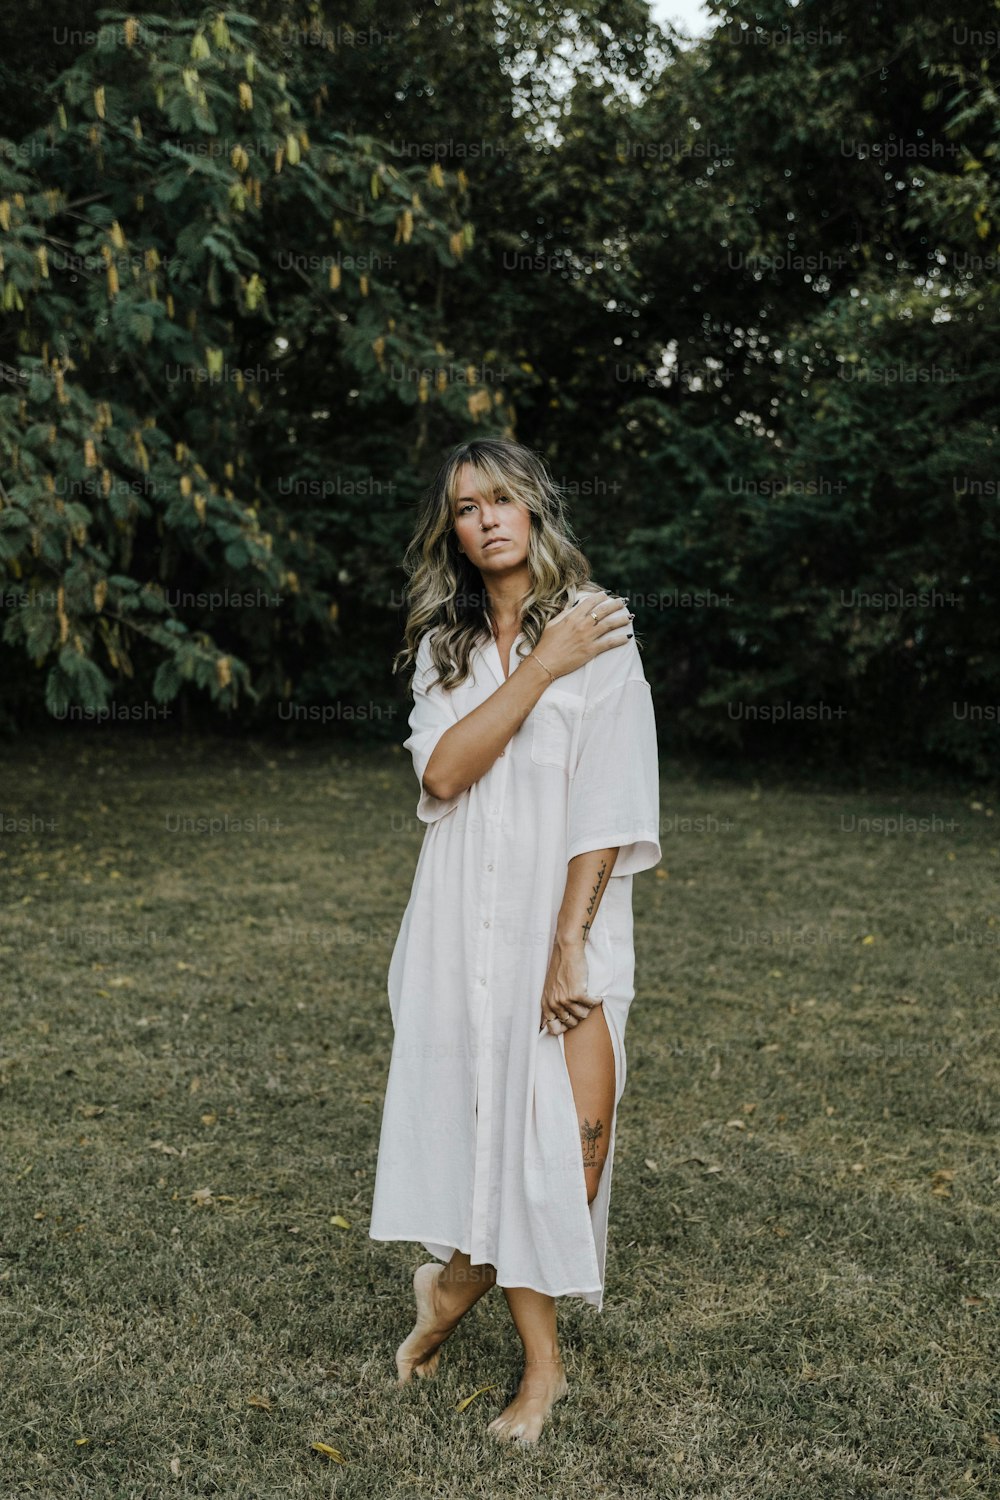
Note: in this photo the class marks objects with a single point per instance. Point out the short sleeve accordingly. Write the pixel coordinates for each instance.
(614, 792)
(433, 712)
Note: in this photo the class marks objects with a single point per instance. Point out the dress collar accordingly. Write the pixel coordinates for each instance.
(491, 651)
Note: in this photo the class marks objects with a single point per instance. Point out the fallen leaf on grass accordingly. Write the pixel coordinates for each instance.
(91, 1111)
(328, 1452)
(340, 1221)
(651, 1164)
(461, 1405)
(162, 1147)
(941, 1183)
(736, 1124)
(81, 1441)
(175, 1466)
(262, 1402)
(201, 1197)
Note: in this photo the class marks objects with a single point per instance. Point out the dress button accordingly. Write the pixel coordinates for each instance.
(503, 752)
(489, 867)
(482, 981)
(486, 924)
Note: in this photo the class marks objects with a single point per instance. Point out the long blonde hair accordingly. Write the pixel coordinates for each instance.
(445, 589)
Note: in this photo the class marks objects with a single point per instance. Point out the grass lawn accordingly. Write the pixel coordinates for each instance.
(802, 1269)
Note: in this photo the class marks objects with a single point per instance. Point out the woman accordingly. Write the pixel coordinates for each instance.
(533, 740)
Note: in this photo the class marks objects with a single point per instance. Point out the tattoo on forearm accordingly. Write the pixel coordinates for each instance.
(589, 1135)
(593, 896)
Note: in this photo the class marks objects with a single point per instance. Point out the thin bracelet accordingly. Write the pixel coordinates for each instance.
(533, 657)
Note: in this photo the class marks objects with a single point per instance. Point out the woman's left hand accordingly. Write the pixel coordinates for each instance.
(565, 1001)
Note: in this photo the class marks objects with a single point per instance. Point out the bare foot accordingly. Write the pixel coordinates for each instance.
(419, 1353)
(542, 1384)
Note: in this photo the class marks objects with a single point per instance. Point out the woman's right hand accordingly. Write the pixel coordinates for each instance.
(574, 639)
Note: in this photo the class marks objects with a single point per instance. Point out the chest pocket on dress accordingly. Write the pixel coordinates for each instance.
(555, 728)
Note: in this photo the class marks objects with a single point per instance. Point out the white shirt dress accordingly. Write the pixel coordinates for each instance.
(480, 1145)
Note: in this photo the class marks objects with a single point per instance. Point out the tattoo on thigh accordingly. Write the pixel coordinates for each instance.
(589, 1135)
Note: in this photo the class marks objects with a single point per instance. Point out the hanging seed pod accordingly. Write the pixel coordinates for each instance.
(334, 278)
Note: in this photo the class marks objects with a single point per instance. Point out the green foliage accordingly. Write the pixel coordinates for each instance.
(258, 273)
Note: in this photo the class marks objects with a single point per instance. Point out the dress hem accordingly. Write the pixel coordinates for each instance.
(591, 1291)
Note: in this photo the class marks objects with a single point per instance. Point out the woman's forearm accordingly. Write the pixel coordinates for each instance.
(466, 751)
(587, 876)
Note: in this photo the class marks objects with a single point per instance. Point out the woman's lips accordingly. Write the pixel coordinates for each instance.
(496, 541)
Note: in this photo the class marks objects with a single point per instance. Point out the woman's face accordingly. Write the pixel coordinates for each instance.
(493, 533)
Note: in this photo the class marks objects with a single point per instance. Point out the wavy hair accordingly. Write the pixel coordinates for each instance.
(445, 589)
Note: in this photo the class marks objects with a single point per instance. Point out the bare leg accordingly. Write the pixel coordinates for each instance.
(544, 1380)
(444, 1295)
(590, 1060)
